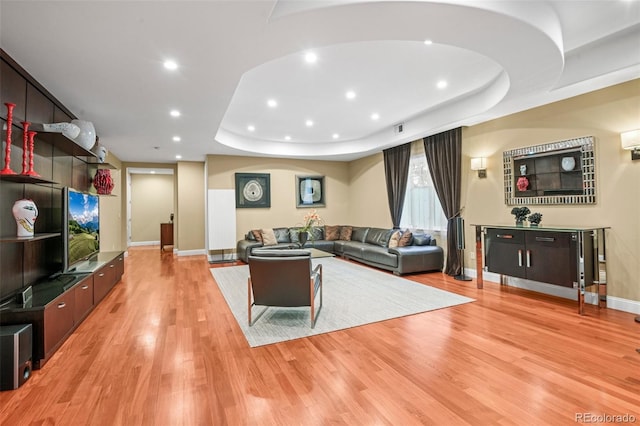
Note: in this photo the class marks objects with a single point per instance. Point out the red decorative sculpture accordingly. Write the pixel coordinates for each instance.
(31, 134)
(25, 146)
(522, 183)
(7, 149)
(103, 182)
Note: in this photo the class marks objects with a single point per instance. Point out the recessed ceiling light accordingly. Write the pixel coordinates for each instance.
(428, 42)
(251, 127)
(177, 139)
(175, 113)
(350, 94)
(272, 103)
(309, 123)
(170, 64)
(441, 84)
(178, 157)
(375, 116)
(153, 172)
(287, 138)
(335, 136)
(311, 58)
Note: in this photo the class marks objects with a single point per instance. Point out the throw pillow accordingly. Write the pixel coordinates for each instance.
(345, 233)
(257, 235)
(421, 240)
(395, 239)
(268, 237)
(331, 233)
(406, 239)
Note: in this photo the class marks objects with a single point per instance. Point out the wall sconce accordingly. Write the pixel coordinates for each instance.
(479, 164)
(631, 141)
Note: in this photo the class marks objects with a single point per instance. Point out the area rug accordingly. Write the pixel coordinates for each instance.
(354, 295)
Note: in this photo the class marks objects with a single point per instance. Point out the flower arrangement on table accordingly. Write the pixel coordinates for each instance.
(520, 213)
(310, 221)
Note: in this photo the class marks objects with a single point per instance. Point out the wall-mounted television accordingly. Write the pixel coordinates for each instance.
(82, 227)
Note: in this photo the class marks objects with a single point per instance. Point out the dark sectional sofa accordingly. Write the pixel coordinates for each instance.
(366, 245)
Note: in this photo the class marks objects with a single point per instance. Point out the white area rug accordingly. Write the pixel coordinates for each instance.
(354, 295)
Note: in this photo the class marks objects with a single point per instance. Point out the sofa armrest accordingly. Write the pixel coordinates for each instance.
(244, 247)
(418, 258)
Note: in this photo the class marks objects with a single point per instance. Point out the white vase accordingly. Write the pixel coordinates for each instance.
(25, 212)
(568, 163)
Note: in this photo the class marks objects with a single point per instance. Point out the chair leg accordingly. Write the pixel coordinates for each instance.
(249, 291)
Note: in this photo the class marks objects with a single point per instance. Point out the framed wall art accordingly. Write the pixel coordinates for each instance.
(253, 190)
(562, 172)
(310, 191)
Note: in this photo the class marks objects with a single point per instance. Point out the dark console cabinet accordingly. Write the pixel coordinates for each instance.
(536, 255)
(57, 323)
(60, 304)
(568, 257)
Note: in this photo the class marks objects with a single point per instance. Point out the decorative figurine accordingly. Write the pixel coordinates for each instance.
(25, 212)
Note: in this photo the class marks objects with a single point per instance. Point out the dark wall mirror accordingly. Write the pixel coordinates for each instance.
(555, 173)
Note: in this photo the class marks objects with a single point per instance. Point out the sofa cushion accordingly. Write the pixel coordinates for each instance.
(378, 236)
(331, 233)
(345, 233)
(353, 249)
(379, 255)
(405, 239)
(282, 235)
(316, 233)
(421, 240)
(257, 235)
(294, 235)
(395, 237)
(359, 234)
(268, 237)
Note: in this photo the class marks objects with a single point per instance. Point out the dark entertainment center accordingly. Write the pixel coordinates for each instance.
(60, 300)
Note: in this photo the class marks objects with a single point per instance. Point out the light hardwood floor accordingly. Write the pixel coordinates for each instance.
(164, 349)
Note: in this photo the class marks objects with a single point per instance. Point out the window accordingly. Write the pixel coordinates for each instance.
(422, 209)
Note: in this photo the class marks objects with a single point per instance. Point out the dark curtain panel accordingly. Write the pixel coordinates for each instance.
(444, 153)
(396, 171)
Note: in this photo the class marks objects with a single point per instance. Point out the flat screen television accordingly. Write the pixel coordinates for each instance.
(82, 239)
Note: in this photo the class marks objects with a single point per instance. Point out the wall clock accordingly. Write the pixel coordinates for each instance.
(253, 190)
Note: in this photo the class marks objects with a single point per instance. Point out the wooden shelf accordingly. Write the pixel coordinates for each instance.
(71, 148)
(36, 237)
(93, 161)
(19, 178)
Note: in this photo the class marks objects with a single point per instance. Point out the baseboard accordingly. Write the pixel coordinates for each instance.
(226, 257)
(191, 252)
(617, 303)
(626, 305)
(144, 243)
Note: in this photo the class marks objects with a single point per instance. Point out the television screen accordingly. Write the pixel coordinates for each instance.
(83, 226)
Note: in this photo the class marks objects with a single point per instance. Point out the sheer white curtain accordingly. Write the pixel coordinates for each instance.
(422, 209)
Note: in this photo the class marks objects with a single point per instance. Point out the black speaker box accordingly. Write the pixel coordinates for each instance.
(15, 355)
(459, 233)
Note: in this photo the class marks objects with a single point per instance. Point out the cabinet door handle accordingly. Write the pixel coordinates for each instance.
(112, 266)
(84, 287)
(101, 274)
(546, 239)
(61, 305)
(519, 257)
(528, 258)
(505, 236)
